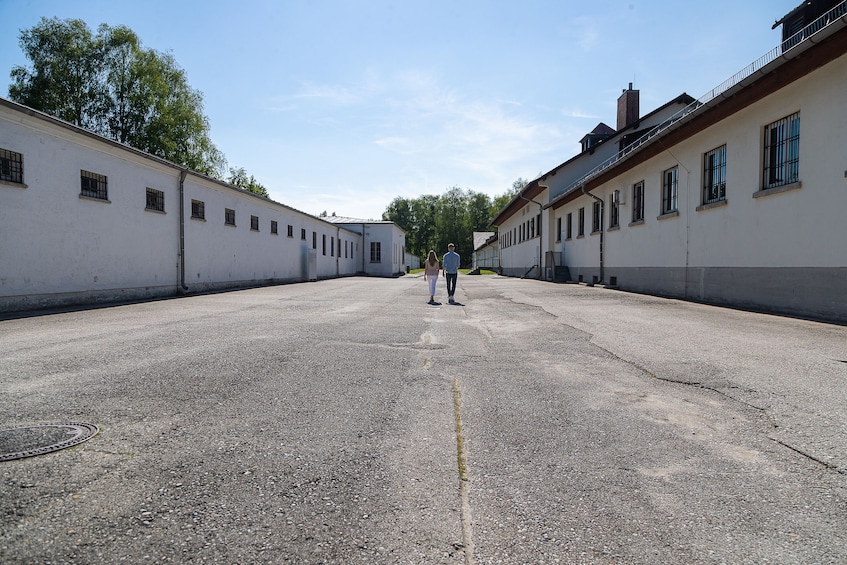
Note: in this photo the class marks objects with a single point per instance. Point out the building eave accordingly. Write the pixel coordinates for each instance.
(791, 65)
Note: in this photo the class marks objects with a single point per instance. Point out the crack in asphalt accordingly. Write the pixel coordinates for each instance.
(464, 481)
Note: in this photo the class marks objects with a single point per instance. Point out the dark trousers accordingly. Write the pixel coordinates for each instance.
(451, 283)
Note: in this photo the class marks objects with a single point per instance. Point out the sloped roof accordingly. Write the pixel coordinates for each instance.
(602, 129)
(480, 237)
(348, 220)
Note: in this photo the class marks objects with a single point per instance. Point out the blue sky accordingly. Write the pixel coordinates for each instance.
(343, 105)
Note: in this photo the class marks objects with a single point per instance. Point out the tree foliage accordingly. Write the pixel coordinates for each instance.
(431, 222)
(109, 83)
(239, 178)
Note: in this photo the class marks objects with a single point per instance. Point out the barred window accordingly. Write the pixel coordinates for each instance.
(670, 187)
(615, 210)
(94, 185)
(291, 231)
(714, 175)
(155, 200)
(254, 223)
(581, 222)
(229, 216)
(782, 152)
(596, 217)
(198, 209)
(303, 234)
(569, 226)
(376, 252)
(11, 166)
(274, 228)
(638, 202)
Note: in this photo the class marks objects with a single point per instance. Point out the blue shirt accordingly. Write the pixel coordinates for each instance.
(451, 262)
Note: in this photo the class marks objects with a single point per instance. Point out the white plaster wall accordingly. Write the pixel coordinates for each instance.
(796, 228)
(53, 241)
(392, 244)
(216, 252)
(521, 255)
(55, 245)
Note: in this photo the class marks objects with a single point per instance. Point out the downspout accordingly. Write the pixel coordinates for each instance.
(602, 225)
(540, 239)
(182, 174)
(364, 250)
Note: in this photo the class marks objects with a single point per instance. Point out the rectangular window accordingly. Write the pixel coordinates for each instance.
(615, 210)
(323, 245)
(376, 252)
(782, 152)
(345, 248)
(532, 227)
(714, 175)
(303, 234)
(291, 230)
(11, 166)
(275, 228)
(569, 225)
(314, 240)
(638, 202)
(94, 185)
(198, 209)
(670, 194)
(596, 217)
(581, 222)
(558, 229)
(229, 216)
(254, 223)
(155, 200)
(332, 246)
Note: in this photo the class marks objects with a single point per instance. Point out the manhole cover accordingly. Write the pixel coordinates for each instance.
(28, 441)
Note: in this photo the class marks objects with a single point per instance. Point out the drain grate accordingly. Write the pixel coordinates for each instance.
(29, 441)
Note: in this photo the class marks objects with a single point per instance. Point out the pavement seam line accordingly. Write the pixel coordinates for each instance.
(464, 481)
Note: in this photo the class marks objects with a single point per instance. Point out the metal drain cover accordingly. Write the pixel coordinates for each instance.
(28, 441)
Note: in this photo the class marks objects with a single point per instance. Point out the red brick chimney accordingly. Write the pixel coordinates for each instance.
(628, 111)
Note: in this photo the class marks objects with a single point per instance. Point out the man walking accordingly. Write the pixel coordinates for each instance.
(450, 264)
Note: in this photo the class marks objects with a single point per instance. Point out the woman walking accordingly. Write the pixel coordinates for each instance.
(431, 269)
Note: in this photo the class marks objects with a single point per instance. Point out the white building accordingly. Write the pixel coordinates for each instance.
(86, 219)
(736, 200)
(530, 236)
(384, 244)
(486, 251)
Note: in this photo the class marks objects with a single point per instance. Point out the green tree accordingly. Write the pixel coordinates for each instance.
(238, 177)
(503, 200)
(110, 84)
(65, 77)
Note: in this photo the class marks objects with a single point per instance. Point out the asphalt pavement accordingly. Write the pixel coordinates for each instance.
(348, 421)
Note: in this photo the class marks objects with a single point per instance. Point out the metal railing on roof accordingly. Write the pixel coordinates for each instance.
(810, 30)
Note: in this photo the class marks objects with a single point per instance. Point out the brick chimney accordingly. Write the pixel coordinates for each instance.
(628, 111)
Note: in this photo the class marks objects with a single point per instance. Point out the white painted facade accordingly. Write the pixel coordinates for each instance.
(59, 247)
(779, 249)
(384, 245)
(487, 253)
(528, 252)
